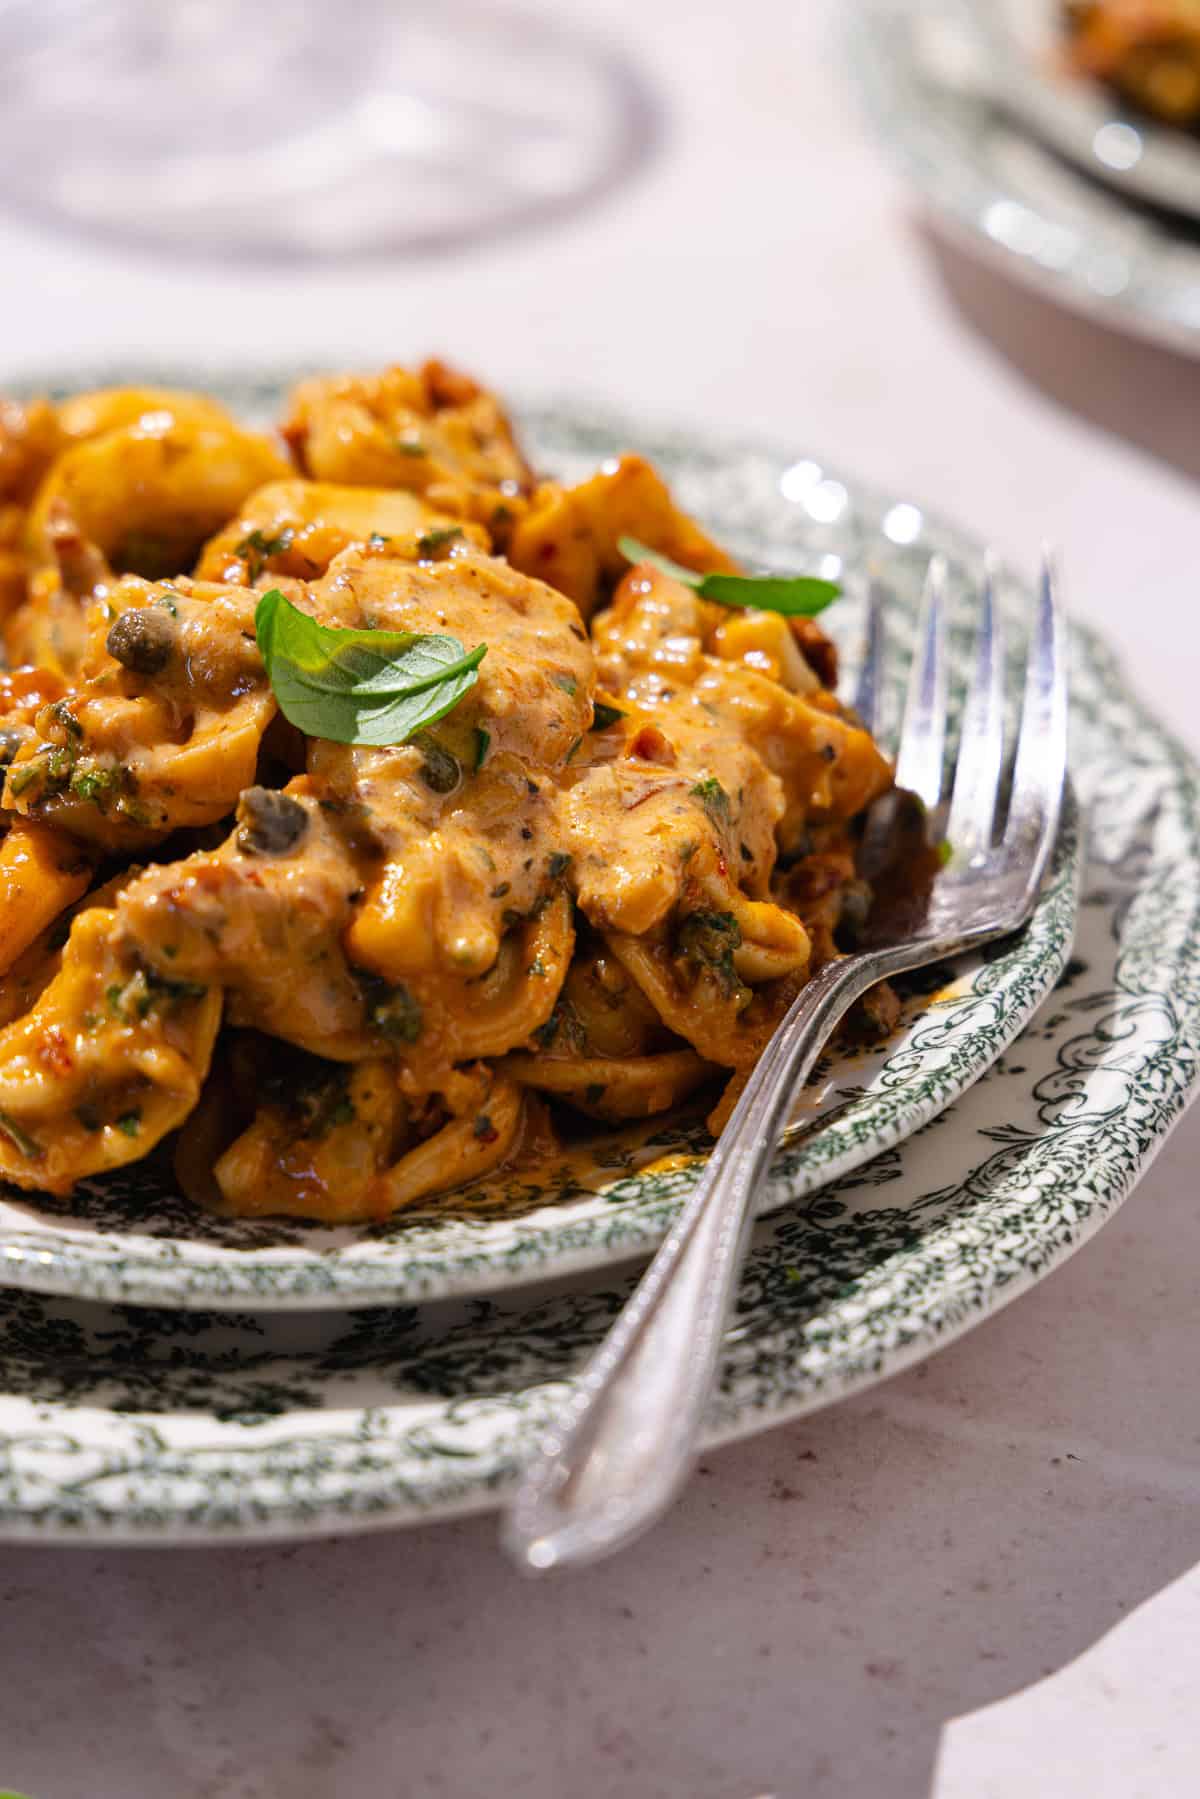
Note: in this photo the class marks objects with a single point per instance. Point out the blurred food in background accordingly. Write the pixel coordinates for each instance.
(1148, 50)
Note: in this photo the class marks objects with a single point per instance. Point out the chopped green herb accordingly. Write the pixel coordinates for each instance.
(23, 778)
(603, 716)
(20, 1139)
(713, 798)
(130, 1122)
(315, 1102)
(145, 992)
(66, 718)
(483, 742)
(377, 540)
(796, 596)
(568, 683)
(430, 542)
(408, 446)
(573, 751)
(94, 783)
(396, 1012)
(256, 549)
(709, 939)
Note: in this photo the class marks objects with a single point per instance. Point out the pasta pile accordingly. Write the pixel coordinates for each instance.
(351, 974)
(1148, 50)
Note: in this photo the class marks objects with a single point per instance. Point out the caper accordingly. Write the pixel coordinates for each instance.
(439, 769)
(269, 823)
(143, 639)
(854, 907)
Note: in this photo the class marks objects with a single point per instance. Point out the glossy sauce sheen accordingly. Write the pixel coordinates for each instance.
(358, 975)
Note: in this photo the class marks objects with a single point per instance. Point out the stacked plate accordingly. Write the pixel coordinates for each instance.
(1033, 165)
(165, 1375)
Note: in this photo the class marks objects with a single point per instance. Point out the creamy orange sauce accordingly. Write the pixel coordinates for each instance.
(566, 892)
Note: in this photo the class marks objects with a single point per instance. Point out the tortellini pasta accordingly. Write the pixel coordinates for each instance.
(351, 975)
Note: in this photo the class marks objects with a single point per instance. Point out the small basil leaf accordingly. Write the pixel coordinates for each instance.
(796, 596)
(635, 551)
(369, 687)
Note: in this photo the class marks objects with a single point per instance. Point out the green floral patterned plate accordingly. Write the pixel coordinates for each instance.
(137, 1425)
(126, 1424)
(131, 1237)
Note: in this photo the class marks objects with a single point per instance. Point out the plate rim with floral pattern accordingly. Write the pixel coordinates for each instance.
(787, 508)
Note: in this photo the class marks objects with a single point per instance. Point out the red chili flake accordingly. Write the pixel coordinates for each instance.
(54, 1051)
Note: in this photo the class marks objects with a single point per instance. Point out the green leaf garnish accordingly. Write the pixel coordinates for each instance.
(603, 716)
(430, 543)
(796, 596)
(370, 687)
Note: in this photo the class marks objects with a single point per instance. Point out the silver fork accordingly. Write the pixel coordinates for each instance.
(627, 1438)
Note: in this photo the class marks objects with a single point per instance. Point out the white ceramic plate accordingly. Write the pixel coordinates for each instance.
(131, 1237)
(999, 190)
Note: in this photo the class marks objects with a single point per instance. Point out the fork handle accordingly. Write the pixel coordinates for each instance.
(627, 1439)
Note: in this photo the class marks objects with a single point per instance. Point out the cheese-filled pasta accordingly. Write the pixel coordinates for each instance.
(372, 801)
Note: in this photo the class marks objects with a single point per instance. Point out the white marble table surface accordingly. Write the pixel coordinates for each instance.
(978, 1580)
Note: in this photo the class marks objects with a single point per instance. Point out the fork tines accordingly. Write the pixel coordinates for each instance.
(966, 795)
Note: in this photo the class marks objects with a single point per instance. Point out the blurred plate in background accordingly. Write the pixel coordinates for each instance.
(1002, 193)
(1083, 119)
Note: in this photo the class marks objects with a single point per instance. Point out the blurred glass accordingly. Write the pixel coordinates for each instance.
(283, 129)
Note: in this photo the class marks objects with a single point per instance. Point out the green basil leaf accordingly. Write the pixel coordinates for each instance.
(796, 596)
(371, 687)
